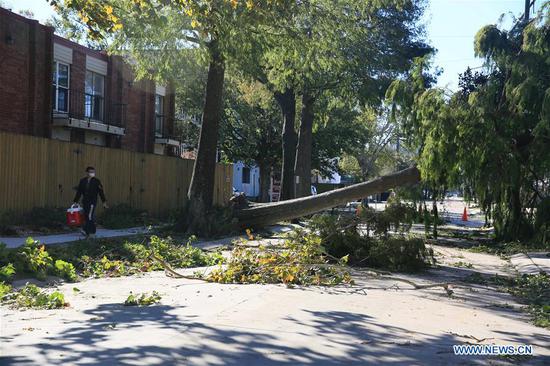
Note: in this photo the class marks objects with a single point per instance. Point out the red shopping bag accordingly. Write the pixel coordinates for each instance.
(75, 216)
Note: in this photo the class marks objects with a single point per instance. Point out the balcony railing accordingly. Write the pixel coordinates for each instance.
(161, 129)
(94, 108)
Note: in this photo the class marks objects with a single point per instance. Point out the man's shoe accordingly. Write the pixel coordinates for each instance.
(84, 233)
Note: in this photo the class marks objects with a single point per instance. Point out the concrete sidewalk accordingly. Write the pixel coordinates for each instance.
(531, 263)
(75, 236)
(106, 233)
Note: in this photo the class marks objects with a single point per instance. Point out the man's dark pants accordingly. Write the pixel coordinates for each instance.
(89, 211)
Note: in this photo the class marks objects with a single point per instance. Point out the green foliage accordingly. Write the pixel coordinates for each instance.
(5, 289)
(101, 258)
(142, 300)
(123, 216)
(300, 261)
(120, 257)
(104, 267)
(492, 135)
(6, 272)
(534, 290)
(65, 270)
(182, 256)
(36, 259)
(31, 297)
(367, 240)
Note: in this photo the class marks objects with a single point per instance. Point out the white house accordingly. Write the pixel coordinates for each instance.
(335, 178)
(246, 179)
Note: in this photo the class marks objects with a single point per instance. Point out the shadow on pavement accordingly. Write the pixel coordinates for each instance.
(325, 338)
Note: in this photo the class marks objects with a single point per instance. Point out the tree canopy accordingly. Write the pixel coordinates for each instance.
(492, 135)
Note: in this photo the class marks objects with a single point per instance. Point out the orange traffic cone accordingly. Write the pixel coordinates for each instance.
(465, 215)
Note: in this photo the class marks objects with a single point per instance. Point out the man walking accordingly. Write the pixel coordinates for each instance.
(88, 188)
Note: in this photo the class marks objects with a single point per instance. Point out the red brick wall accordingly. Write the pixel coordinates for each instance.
(26, 85)
(26, 51)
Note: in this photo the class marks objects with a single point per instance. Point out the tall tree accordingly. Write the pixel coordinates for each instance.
(154, 30)
(494, 133)
(354, 48)
(251, 129)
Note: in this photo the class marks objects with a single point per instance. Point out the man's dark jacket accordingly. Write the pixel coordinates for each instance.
(89, 188)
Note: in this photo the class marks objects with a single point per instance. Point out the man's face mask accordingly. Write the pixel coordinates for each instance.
(91, 174)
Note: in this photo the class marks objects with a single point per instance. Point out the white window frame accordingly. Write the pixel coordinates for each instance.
(159, 115)
(102, 95)
(57, 86)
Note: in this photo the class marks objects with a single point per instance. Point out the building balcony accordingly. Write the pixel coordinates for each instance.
(90, 112)
(165, 142)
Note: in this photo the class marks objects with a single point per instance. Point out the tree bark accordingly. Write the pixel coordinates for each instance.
(302, 166)
(265, 180)
(272, 213)
(287, 103)
(201, 189)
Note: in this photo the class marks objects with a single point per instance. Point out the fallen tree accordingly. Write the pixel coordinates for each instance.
(272, 213)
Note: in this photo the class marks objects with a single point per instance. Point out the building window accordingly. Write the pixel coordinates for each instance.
(246, 175)
(60, 96)
(94, 96)
(159, 115)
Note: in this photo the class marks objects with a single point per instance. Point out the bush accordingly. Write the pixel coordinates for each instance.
(39, 218)
(123, 216)
(45, 217)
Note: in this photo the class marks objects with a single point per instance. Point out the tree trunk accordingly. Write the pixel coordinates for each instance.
(265, 181)
(287, 102)
(201, 190)
(435, 214)
(272, 213)
(302, 167)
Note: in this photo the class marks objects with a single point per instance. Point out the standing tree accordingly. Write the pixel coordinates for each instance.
(493, 134)
(251, 131)
(352, 48)
(149, 28)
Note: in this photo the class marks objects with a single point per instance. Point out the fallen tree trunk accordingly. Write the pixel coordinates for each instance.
(274, 212)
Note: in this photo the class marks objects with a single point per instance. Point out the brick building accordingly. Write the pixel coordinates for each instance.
(52, 87)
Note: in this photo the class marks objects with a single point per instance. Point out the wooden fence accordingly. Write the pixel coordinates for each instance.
(39, 172)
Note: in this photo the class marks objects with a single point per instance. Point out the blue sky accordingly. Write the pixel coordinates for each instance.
(451, 26)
